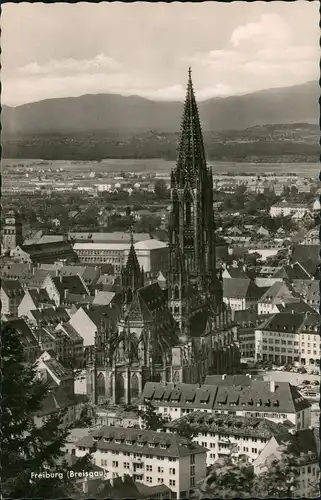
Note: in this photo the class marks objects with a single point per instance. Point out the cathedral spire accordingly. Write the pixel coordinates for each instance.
(132, 265)
(191, 154)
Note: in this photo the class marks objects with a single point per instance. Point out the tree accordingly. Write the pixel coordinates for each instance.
(28, 449)
(280, 479)
(152, 420)
(160, 189)
(228, 478)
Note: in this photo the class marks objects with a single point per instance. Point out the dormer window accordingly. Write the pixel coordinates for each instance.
(95, 438)
(151, 445)
(140, 443)
(118, 441)
(129, 442)
(163, 446)
(276, 402)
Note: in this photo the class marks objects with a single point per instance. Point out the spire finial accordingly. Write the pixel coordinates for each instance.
(132, 235)
(190, 73)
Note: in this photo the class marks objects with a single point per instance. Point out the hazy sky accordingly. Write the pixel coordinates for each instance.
(145, 49)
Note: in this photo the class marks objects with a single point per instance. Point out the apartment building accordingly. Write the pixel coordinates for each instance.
(288, 338)
(305, 446)
(149, 457)
(224, 435)
(285, 209)
(237, 395)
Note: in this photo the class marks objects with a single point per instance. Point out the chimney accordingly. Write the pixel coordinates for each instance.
(111, 480)
(60, 279)
(66, 293)
(272, 385)
(224, 376)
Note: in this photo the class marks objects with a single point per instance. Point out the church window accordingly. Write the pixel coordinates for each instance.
(176, 293)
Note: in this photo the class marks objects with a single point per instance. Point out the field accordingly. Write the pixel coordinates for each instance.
(164, 167)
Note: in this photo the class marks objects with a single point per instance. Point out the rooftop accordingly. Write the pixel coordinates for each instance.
(230, 424)
(141, 441)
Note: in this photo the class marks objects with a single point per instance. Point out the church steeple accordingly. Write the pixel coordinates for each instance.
(132, 276)
(191, 227)
(191, 153)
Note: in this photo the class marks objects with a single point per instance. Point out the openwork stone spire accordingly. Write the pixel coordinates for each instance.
(191, 153)
(132, 265)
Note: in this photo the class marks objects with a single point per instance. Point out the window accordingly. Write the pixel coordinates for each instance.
(160, 470)
(192, 471)
(115, 463)
(192, 459)
(126, 465)
(309, 469)
(254, 450)
(172, 482)
(149, 468)
(149, 479)
(192, 483)
(103, 463)
(160, 480)
(172, 471)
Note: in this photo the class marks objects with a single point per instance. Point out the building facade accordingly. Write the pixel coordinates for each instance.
(150, 457)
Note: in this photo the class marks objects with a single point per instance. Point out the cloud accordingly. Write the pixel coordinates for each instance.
(270, 28)
(69, 65)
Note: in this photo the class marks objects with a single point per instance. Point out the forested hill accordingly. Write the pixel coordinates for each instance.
(116, 114)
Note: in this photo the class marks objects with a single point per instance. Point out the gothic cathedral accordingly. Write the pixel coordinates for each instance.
(184, 332)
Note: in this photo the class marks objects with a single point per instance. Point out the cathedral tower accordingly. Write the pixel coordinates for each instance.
(193, 282)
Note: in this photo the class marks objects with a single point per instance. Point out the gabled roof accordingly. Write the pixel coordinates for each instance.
(182, 395)
(152, 442)
(89, 274)
(12, 288)
(103, 298)
(237, 272)
(73, 284)
(291, 322)
(308, 289)
(292, 272)
(50, 316)
(304, 441)
(25, 333)
(303, 253)
(40, 296)
(276, 293)
(239, 288)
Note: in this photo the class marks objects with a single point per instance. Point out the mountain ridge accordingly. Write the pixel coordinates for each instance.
(136, 114)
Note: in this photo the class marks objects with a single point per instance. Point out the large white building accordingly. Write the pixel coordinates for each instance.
(287, 338)
(238, 395)
(224, 435)
(153, 255)
(285, 209)
(148, 456)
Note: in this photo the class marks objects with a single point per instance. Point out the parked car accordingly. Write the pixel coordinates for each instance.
(306, 382)
(315, 382)
(301, 370)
